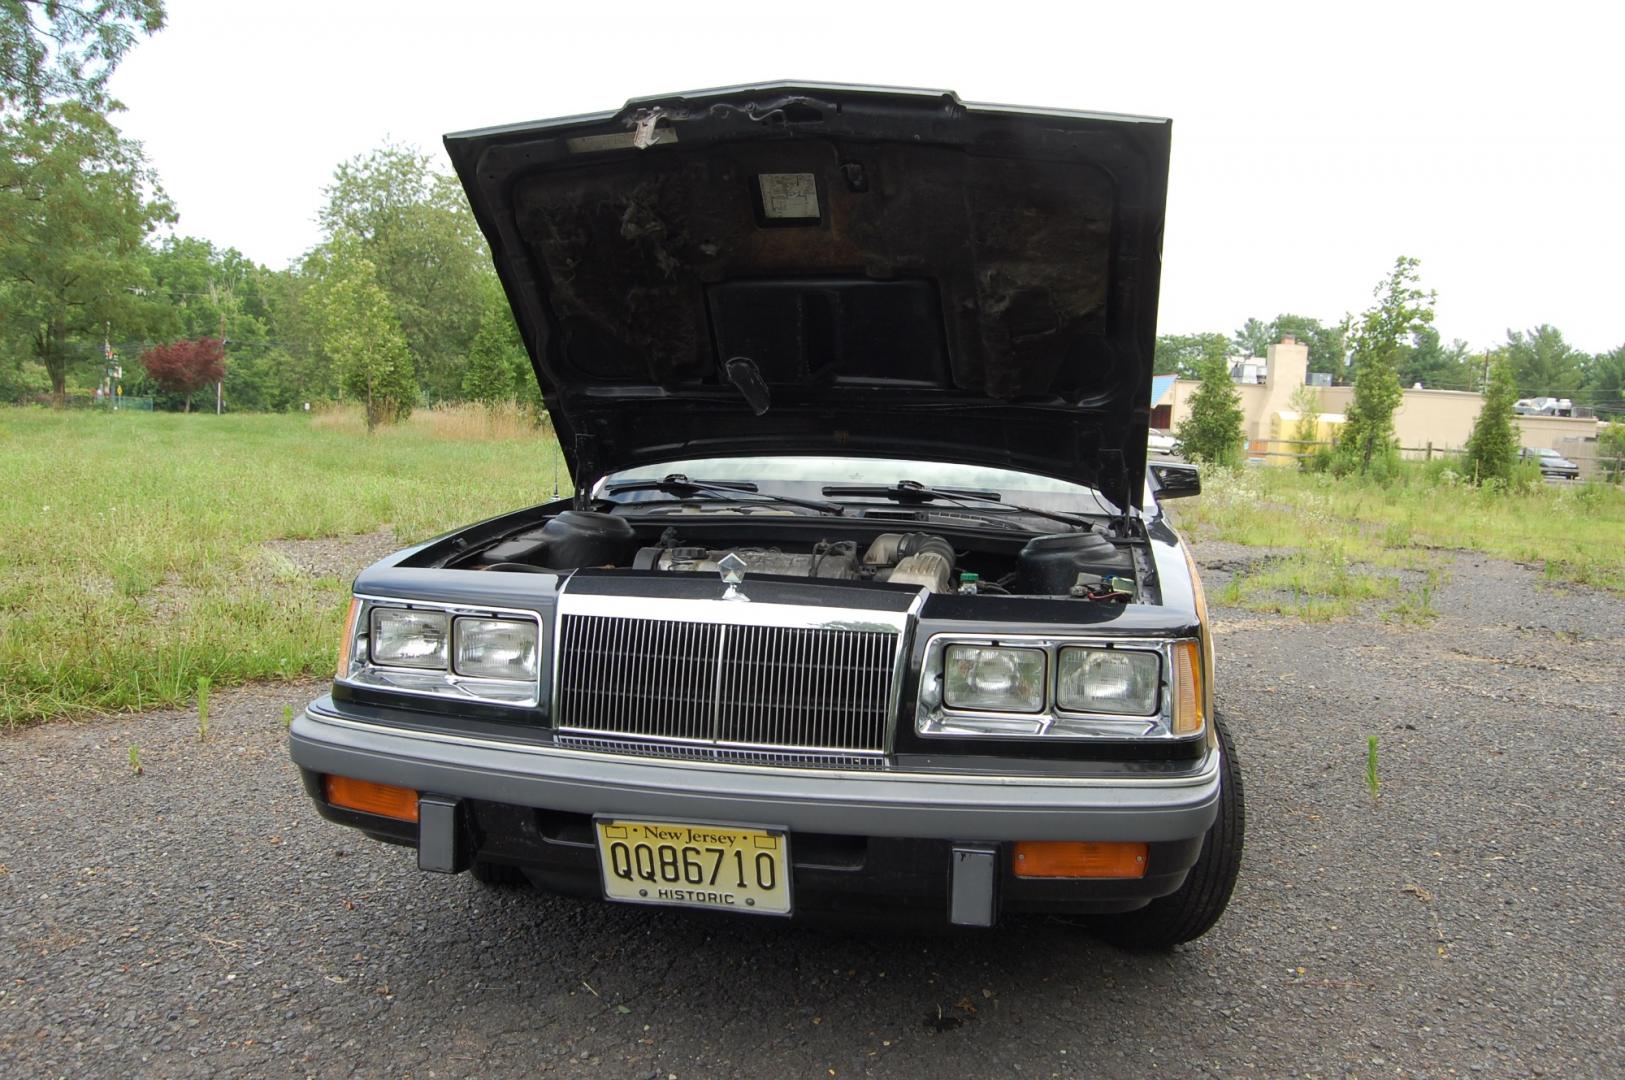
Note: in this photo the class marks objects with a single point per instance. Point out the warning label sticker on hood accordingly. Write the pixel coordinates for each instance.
(789, 196)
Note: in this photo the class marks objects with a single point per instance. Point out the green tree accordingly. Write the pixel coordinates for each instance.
(20, 378)
(256, 379)
(1401, 311)
(362, 337)
(1543, 364)
(1436, 365)
(1604, 383)
(1305, 401)
(1185, 354)
(496, 360)
(294, 320)
(55, 50)
(1212, 433)
(1611, 451)
(1327, 344)
(1254, 338)
(414, 225)
(1492, 448)
(77, 202)
(207, 291)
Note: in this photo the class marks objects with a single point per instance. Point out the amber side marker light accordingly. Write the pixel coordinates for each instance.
(1188, 697)
(385, 800)
(347, 642)
(1071, 859)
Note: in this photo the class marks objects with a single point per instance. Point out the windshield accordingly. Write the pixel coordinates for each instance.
(798, 475)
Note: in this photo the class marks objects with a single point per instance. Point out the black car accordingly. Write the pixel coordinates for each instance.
(1551, 463)
(865, 600)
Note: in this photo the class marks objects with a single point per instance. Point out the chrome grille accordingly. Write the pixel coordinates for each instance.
(725, 685)
(639, 676)
(804, 759)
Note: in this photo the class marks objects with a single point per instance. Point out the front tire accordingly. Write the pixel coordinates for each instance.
(1192, 909)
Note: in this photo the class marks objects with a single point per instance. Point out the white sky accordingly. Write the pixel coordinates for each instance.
(1312, 142)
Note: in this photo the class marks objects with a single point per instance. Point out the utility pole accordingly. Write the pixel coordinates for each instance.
(111, 372)
(218, 383)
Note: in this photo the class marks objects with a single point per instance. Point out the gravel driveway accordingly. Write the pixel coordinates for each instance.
(199, 919)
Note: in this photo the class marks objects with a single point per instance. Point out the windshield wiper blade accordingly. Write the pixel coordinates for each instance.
(905, 490)
(679, 485)
(914, 491)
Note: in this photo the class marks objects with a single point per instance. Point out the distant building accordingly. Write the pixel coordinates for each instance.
(1440, 419)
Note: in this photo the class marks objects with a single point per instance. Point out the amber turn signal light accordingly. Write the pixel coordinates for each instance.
(347, 642)
(1189, 702)
(385, 800)
(1073, 859)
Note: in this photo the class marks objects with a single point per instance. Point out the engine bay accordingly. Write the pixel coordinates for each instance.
(1083, 563)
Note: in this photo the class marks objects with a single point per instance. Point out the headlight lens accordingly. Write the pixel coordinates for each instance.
(496, 649)
(405, 638)
(1117, 681)
(994, 679)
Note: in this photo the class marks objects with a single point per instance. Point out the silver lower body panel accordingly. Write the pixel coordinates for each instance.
(949, 806)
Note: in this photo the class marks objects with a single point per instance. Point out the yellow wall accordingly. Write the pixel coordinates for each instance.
(1443, 418)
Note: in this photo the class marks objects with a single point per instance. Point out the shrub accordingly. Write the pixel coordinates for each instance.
(1441, 471)
(1611, 451)
(185, 367)
(496, 371)
(1402, 309)
(1492, 448)
(1524, 476)
(21, 379)
(1212, 433)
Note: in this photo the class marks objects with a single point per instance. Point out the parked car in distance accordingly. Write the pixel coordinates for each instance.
(1159, 441)
(865, 599)
(1551, 463)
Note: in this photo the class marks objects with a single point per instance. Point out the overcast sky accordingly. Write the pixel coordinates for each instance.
(1312, 142)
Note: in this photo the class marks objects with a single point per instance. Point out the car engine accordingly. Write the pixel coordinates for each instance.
(1083, 563)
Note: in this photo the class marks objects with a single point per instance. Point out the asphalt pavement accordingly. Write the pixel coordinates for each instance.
(198, 919)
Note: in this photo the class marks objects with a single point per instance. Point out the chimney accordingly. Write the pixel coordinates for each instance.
(1288, 364)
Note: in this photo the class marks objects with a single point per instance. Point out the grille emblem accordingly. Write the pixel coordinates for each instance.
(732, 568)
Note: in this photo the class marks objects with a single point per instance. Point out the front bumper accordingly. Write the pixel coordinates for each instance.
(521, 804)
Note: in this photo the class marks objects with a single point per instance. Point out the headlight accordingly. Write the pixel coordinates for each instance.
(1116, 681)
(994, 679)
(491, 655)
(495, 649)
(406, 638)
(1118, 688)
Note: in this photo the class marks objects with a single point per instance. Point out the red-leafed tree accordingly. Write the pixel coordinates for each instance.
(184, 367)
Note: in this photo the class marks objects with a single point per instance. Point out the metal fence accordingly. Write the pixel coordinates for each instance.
(1310, 447)
(1588, 455)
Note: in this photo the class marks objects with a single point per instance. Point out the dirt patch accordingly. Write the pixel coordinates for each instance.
(336, 556)
(1224, 555)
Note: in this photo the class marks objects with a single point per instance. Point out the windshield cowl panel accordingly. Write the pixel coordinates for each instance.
(806, 477)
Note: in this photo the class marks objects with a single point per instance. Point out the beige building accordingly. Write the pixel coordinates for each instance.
(1436, 419)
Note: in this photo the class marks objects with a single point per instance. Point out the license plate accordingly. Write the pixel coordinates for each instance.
(721, 867)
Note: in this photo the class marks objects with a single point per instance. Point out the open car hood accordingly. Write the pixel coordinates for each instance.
(834, 270)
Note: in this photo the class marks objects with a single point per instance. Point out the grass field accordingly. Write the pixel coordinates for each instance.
(138, 554)
(133, 557)
(1350, 539)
